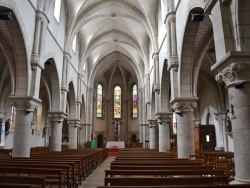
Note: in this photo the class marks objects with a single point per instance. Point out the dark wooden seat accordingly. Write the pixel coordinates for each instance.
(156, 181)
(37, 181)
(187, 172)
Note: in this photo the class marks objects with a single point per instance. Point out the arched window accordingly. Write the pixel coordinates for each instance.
(117, 102)
(99, 101)
(57, 9)
(12, 117)
(74, 44)
(134, 102)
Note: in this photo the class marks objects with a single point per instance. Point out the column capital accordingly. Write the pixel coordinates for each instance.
(147, 76)
(220, 115)
(41, 16)
(66, 56)
(173, 63)
(170, 17)
(156, 87)
(183, 104)
(152, 123)
(56, 115)
(164, 116)
(155, 56)
(90, 89)
(235, 73)
(74, 121)
(25, 103)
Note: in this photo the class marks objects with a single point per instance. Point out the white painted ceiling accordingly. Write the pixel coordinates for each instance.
(107, 26)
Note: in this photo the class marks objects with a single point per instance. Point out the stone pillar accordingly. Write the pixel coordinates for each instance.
(185, 133)
(89, 117)
(147, 92)
(173, 62)
(156, 82)
(56, 119)
(82, 140)
(164, 131)
(25, 107)
(153, 134)
(73, 127)
(142, 134)
(221, 117)
(64, 85)
(237, 77)
(88, 132)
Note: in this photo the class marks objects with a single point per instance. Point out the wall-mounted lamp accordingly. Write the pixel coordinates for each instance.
(5, 15)
(239, 85)
(197, 17)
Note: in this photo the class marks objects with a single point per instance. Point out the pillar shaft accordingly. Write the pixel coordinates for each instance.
(24, 116)
(185, 134)
(56, 119)
(236, 77)
(153, 134)
(73, 128)
(82, 140)
(164, 131)
(221, 117)
(56, 136)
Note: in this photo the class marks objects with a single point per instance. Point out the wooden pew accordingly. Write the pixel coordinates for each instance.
(181, 186)
(149, 158)
(11, 185)
(66, 168)
(154, 163)
(36, 181)
(156, 181)
(187, 172)
(52, 176)
(168, 167)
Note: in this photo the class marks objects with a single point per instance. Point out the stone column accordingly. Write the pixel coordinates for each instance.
(56, 119)
(185, 134)
(82, 140)
(237, 77)
(164, 131)
(64, 85)
(147, 92)
(73, 127)
(153, 134)
(89, 117)
(25, 107)
(142, 134)
(88, 132)
(156, 82)
(173, 62)
(221, 117)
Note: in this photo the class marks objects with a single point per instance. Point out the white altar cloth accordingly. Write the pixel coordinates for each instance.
(115, 144)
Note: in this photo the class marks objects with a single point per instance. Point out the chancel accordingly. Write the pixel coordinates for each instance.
(83, 82)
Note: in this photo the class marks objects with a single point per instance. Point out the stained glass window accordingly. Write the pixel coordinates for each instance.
(99, 101)
(57, 9)
(135, 100)
(117, 102)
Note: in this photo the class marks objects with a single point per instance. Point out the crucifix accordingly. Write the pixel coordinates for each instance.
(117, 129)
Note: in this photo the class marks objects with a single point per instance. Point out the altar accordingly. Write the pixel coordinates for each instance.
(115, 144)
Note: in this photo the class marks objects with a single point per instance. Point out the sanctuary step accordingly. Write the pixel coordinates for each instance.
(113, 152)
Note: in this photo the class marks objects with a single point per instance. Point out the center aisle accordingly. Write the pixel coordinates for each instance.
(96, 178)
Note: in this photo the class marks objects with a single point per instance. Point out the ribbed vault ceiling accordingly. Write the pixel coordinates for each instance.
(107, 26)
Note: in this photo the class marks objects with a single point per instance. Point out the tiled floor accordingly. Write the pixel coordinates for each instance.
(97, 177)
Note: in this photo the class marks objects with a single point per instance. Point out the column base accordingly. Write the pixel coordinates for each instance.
(239, 181)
